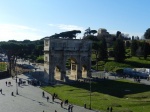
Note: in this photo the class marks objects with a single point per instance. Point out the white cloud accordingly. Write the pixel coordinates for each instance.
(67, 27)
(17, 32)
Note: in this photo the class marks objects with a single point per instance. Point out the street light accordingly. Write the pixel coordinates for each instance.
(16, 83)
(10, 66)
(90, 93)
(90, 89)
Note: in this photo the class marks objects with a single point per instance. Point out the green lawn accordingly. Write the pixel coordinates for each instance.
(106, 93)
(2, 66)
(133, 62)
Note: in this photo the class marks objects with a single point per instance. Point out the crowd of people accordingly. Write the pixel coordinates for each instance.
(64, 104)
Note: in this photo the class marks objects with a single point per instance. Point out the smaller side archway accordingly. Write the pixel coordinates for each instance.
(84, 71)
(57, 73)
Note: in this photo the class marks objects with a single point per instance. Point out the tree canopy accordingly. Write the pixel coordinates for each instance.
(147, 34)
(119, 50)
(67, 34)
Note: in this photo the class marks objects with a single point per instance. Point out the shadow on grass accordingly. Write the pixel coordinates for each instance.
(113, 87)
(137, 64)
(131, 63)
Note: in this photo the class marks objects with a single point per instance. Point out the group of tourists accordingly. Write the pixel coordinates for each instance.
(8, 83)
(109, 109)
(53, 96)
(65, 103)
(137, 79)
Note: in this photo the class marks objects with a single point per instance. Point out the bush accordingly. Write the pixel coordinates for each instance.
(40, 59)
(119, 71)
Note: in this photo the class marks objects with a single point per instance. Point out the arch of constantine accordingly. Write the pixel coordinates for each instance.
(59, 51)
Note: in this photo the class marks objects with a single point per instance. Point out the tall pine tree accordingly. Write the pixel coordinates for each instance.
(119, 50)
(103, 49)
(134, 47)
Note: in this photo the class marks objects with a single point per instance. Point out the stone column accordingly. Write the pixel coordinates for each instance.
(51, 68)
(63, 67)
(51, 74)
(79, 68)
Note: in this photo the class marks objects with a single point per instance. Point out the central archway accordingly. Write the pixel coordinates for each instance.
(71, 68)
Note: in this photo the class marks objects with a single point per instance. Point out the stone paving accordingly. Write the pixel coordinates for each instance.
(29, 99)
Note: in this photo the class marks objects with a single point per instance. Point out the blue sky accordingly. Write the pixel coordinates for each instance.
(35, 19)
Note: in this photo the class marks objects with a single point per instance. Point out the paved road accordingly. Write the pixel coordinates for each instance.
(29, 99)
(143, 81)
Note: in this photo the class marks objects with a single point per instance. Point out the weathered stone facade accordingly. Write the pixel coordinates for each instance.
(58, 51)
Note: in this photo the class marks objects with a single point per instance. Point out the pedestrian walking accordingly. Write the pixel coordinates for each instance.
(6, 83)
(66, 102)
(107, 109)
(18, 83)
(53, 98)
(12, 94)
(111, 109)
(54, 95)
(43, 94)
(85, 105)
(68, 108)
(1, 91)
(71, 108)
(61, 104)
(9, 83)
(47, 98)
(28, 81)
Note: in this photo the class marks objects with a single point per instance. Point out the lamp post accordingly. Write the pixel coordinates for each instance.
(10, 66)
(90, 93)
(90, 88)
(16, 84)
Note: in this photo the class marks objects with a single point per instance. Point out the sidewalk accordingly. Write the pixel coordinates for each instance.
(29, 99)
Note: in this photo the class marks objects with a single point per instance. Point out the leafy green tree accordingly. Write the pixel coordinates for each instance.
(139, 52)
(103, 35)
(40, 59)
(145, 49)
(119, 50)
(147, 34)
(132, 37)
(95, 46)
(91, 37)
(102, 49)
(23, 49)
(12, 50)
(134, 47)
(127, 44)
(118, 33)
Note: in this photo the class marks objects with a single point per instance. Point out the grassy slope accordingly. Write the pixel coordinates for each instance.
(110, 93)
(133, 62)
(2, 66)
(107, 93)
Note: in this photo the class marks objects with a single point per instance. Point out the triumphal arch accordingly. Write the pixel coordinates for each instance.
(66, 58)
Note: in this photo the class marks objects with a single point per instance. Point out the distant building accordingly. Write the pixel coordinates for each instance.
(102, 31)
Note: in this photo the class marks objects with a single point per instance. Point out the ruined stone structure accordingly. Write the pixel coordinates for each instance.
(58, 51)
